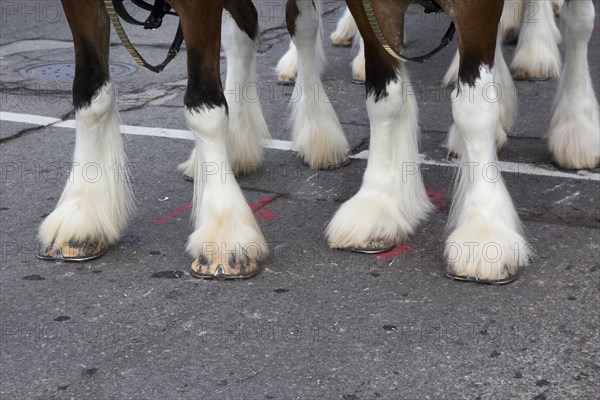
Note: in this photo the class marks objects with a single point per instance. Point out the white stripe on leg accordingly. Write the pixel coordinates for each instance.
(97, 200)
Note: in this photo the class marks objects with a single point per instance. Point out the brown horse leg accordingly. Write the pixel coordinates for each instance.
(96, 200)
(392, 199)
(486, 243)
(247, 126)
(227, 242)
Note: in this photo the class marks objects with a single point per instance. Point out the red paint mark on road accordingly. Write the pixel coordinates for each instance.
(396, 251)
(438, 200)
(258, 208)
(170, 215)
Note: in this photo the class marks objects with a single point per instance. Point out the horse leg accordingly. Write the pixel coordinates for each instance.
(96, 201)
(574, 135)
(486, 242)
(392, 199)
(512, 17)
(345, 30)
(247, 126)
(287, 66)
(358, 64)
(227, 242)
(508, 100)
(316, 131)
(537, 55)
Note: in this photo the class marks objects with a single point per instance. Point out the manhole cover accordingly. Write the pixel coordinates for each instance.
(65, 71)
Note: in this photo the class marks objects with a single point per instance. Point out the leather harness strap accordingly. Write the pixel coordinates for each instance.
(368, 6)
(116, 8)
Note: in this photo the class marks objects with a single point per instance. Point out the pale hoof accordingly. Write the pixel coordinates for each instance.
(373, 247)
(502, 281)
(218, 270)
(526, 75)
(72, 251)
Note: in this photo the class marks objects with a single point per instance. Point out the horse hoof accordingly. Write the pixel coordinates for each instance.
(474, 279)
(358, 81)
(523, 75)
(188, 178)
(72, 251)
(233, 269)
(342, 43)
(373, 247)
(329, 167)
(286, 82)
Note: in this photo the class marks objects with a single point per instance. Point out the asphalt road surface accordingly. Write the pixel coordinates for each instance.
(316, 323)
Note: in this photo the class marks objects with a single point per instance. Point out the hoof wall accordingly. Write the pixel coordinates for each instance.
(286, 83)
(201, 269)
(374, 247)
(329, 167)
(497, 282)
(76, 252)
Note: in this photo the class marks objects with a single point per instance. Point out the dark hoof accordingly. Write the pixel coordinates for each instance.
(223, 271)
(286, 83)
(75, 252)
(329, 167)
(357, 81)
(497, 282)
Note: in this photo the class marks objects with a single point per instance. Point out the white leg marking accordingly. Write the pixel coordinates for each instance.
(392, 199)
(287, 67)
(508, 100)
(345, 30)
(224, 223)
(537, 55)
(574, 135)
(247, 126)
(486, 240)
(316, 131)
(358, 64)
(97, 199)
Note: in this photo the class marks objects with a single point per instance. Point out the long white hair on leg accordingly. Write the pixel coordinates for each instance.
(316, 131)
(486, 240)
(358, 63)
(574, 134)
(537, 55)
(97, 199)
(392, 199)
(345, 30)
(247, 126)
(224, 224)
(287, 66)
